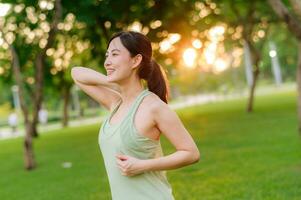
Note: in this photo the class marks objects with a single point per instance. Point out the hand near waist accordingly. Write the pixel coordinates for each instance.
(130, 166)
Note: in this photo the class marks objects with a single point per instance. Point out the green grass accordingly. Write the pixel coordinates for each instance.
(243, 156)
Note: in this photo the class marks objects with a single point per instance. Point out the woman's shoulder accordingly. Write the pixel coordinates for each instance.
(154, 103)
(159, 111)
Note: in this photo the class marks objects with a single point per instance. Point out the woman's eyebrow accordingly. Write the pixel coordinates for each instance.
(114, 50)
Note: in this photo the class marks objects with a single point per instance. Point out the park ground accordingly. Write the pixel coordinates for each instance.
(244, 156)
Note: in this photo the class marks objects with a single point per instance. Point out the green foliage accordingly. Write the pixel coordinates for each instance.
(286, 51)
(5, 109)
(100, 19)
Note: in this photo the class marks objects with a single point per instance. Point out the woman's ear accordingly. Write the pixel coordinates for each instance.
(136, 60)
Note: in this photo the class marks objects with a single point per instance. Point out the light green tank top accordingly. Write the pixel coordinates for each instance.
(123, 138)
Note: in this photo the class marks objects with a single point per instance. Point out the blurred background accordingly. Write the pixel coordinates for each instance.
(234, 68)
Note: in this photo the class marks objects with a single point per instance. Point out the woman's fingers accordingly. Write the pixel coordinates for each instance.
(126, 165)
(122, 164)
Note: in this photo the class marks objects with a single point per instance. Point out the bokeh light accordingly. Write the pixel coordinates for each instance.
(189, 57)
(4, 8)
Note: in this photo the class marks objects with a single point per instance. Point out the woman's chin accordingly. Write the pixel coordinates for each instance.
(111, 79)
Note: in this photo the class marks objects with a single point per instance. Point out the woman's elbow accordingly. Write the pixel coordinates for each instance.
(77, 72)
(195, 156)
(73, 72)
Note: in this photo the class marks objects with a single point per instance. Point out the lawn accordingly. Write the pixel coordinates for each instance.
(243, 156)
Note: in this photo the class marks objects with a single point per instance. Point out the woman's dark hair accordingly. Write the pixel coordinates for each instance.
(149, 69)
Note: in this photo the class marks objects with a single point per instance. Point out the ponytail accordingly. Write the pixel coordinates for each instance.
(157, 81)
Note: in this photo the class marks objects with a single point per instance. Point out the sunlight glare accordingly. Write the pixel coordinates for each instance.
(174, 37)
(216, 32)
(136, 26)
(210, 52)
(189, 57)
(272, 53)
(165, 45)
(220, 65)
(4, 8)
(197, 44)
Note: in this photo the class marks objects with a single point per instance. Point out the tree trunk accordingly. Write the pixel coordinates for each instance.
(28, 147)
(66, 97)
(299, 86)
(252, 89)
(81, 112)
(255, 55)
(293, 25)
(35, 132)
(38, 95)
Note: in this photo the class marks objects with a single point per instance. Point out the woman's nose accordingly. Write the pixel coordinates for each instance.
(107, 62)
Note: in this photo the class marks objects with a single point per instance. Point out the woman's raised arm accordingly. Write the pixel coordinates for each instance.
(95, 85)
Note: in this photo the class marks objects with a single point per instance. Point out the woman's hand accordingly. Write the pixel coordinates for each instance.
(130, 166)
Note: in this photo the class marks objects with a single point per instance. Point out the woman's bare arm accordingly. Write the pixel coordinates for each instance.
(95, 85)
(171, 126)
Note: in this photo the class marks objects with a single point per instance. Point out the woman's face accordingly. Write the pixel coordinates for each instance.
(118, 62)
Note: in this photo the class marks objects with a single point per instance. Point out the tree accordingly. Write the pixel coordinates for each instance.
(251, 18)
(26, 20)
(67, 50)
(293, 21)
(157, 19)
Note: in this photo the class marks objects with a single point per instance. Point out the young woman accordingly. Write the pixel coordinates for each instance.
(129, 137)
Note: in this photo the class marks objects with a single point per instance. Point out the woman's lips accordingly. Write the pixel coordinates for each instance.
(110, 71)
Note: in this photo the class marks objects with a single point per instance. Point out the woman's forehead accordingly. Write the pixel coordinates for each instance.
(116, 44)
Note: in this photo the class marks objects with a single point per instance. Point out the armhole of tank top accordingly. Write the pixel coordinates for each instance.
(136, 107)
(133, 114)
(115, 106)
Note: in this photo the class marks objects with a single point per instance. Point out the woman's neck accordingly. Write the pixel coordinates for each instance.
(130, 91)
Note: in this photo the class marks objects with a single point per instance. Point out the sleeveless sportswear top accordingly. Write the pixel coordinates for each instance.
(123, 138)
